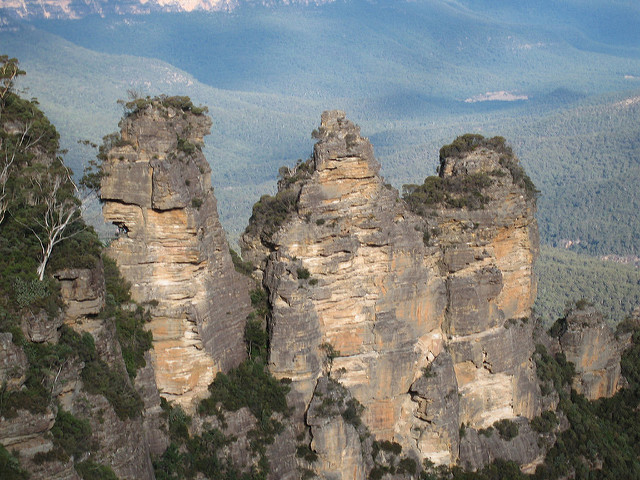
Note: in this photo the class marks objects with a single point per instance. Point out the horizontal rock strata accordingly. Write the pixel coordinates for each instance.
(422, 318)
(172, 248)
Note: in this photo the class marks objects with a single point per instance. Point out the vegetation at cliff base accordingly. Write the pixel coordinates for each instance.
(188, 455)
(602, 439)
(71, 438)
(602, 435)
(90, 470)
(205, 453)
(249, 385)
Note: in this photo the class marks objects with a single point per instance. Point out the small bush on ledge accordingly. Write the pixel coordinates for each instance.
(182, 103)
(507, 429)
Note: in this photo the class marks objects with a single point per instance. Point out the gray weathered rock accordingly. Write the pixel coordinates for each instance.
(13, 362)
(82, 290)
(478, 450)
(438, 412)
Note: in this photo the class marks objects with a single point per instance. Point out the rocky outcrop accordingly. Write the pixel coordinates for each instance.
(13, 362)
(118, 442)
(422, 318)
(172, 248)
(478, 449)
(436, 393)
(349, 288)
(334, 429)
(590, 344)
(82, 291)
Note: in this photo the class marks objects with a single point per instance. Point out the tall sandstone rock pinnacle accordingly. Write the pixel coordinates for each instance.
(171, 246)
(422, 317)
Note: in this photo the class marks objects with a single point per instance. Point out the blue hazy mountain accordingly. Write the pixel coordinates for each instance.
(427, 51)
(593, 24)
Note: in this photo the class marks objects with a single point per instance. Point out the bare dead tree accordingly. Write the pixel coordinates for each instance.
(9, 71)
(59, 211)
(4, 177)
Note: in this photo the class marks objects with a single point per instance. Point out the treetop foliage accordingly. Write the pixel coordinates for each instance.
(39, 210)
(471, 141)
(462, 191)
(466, 191)
(182, 103)
(9, 71)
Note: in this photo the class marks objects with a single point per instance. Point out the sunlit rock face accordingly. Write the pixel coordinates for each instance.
(426, 331)
(590, 344)
(172, 248)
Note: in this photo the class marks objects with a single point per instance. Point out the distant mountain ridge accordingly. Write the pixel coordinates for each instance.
(73, 9)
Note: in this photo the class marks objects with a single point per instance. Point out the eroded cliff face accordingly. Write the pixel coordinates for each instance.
(488, 254)
(120, 442)
(172, 248)
(590, 344)
(423, 318)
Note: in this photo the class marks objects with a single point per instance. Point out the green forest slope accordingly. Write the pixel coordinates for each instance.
(565, 277)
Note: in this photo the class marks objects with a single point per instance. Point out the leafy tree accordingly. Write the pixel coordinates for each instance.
(36, 188)
(90, 470)
(9, 71)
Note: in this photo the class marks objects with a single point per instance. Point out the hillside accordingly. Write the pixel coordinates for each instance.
(410, 113)
(566, 277)
(442, 53)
